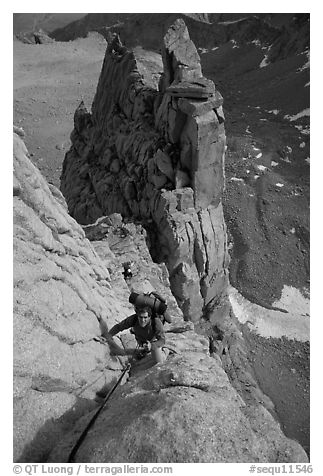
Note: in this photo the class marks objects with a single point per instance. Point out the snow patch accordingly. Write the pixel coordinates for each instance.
(263, 119)
(307, 64)
(248, 130)
(274, 111)
(214, 48)
(256, 177)
(279, 184)
(307, 160)
(302, 145)
(273, 163)
(203, 50)
(293, 324)
(234, 43)
(307, 84)
(264, 62)
(292, 230)
(305, 112)
(258, 43)
(231, 22)
(303, 129)
(259, 155)
(98, 221)
(261, 167)
(290, 297)
(236, 179)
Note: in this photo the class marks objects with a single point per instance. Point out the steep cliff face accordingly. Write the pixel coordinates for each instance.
(61, 294)
(67, 292)
(153, 149)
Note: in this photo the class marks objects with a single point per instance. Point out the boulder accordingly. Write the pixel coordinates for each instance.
(37, 37)
(40, 37)
(185, 199)
(115, 166)
(200, 89)
(193, 107)
(159, 180)
(164, 164)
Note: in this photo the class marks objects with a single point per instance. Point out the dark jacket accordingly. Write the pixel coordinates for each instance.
(152, 331)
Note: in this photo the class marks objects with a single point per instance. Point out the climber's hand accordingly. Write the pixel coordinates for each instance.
(147, 346)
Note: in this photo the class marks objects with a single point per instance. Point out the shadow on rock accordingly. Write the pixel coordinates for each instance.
(38, 450)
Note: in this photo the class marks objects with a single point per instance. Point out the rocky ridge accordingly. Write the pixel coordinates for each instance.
(286, 32)
(61, 294)
(26, 22)
(37, 37)
(190, 394)
(116, 241)
(65, 297)
(260, 63)
(155, 152)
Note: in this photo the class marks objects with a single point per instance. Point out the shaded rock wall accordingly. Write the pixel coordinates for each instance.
(155, 152)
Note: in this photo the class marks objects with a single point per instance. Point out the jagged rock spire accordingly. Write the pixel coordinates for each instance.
(157, 155)
(180, 57)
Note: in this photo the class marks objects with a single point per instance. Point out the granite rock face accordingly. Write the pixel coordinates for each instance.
(182, 411)
(153, 149)
(68, 292)
(62, 293)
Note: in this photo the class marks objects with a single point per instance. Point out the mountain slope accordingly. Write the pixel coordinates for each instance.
(266, 202)
(24, 22)
(260, 64)
(50, 85)
(144, 29)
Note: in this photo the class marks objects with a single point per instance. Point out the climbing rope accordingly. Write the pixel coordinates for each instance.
(75, 448)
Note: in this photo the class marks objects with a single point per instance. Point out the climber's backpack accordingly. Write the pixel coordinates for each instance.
(156, 302)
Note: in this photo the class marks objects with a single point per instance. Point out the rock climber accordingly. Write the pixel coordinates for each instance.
(148, 331)
(127, 270)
